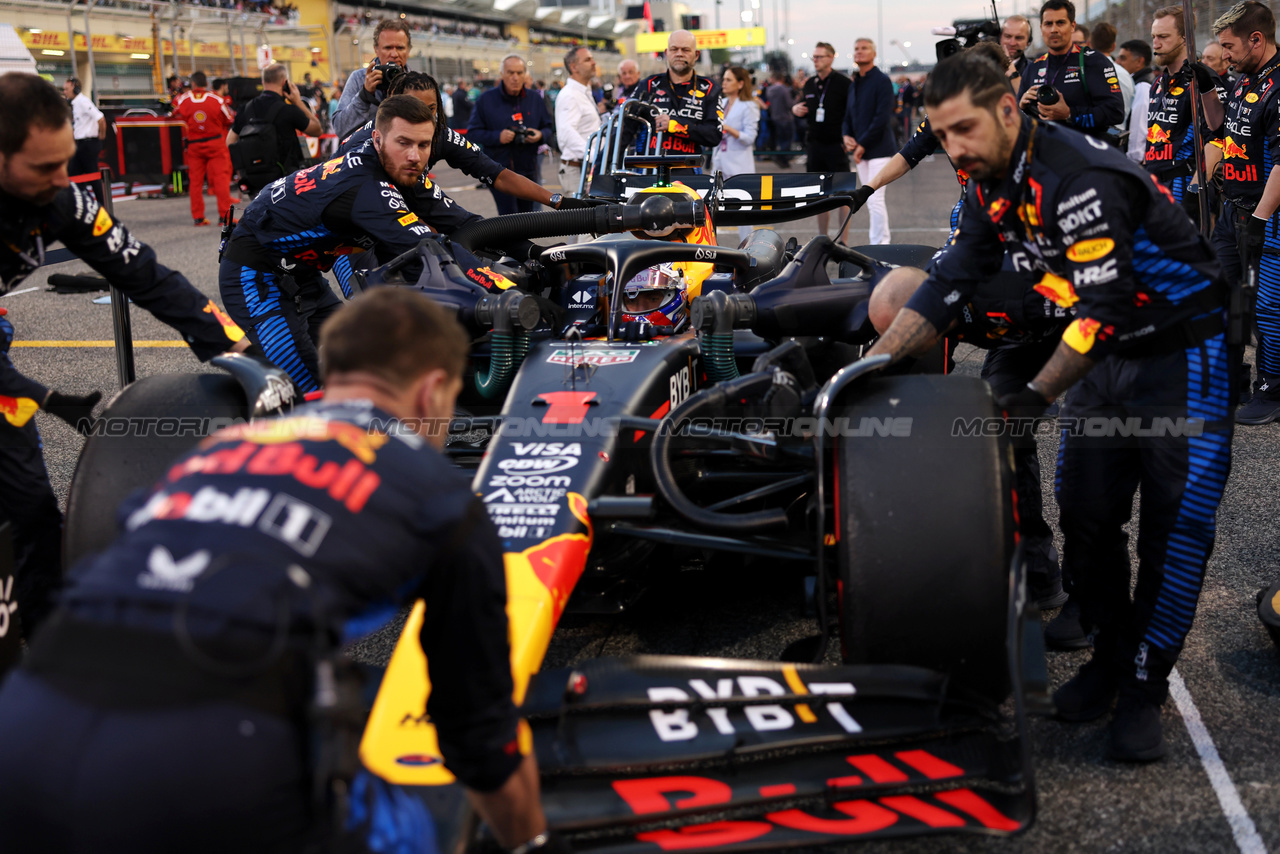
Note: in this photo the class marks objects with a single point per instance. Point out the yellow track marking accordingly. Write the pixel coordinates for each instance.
(96, 344)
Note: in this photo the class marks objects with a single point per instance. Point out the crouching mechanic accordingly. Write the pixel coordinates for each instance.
(271, 276)
(1017, 325)
(1147, 348)
(181, 659)
(39, 206)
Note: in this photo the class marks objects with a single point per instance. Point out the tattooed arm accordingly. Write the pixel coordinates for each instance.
(1063, 369)
(911, 334)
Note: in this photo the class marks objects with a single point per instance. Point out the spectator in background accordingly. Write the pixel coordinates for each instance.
(1103, 41)
(364, 89)
(797, 97)
(735, 155)
(280, 104)
(867, 132)
(208, 119)
(88, 125)
(628, 79)
(1080, 35)
(511, 121)
(1015, 38)
(461, 106)
(1212, 57)
(778, 96)
(1135, 57)
(576, 117)
(826, 95)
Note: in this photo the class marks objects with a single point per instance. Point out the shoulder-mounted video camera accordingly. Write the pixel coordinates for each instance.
(967, 33)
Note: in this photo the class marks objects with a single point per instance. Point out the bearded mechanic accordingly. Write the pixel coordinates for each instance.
(38, 206)
(1148, 342)
(184, 657)
(271, 275)
(1016, 324)
(1246, 236)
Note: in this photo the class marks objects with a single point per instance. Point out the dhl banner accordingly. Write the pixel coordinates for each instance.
(51, 40)
(707, 39)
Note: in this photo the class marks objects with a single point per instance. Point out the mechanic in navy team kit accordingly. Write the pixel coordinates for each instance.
(271, 276)
(178, 674)
(689, 110)
(1017, 325)
(38, 207)
(1171, 142)
(1089, 97)
(510, 122)
(1148, 342)
(1245, 236)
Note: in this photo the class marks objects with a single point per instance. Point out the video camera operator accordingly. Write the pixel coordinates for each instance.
(1070, 84)
(510, 121)
(189, 662)
(367, 87)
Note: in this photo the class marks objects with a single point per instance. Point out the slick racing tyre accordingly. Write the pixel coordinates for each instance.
(142, 431)
(926, 535)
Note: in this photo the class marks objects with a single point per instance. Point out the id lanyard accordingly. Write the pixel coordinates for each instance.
(821, 114)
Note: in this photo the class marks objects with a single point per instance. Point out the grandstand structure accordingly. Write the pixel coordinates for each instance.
(123, 50)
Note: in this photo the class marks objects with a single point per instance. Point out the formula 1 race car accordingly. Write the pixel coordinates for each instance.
(608, 437)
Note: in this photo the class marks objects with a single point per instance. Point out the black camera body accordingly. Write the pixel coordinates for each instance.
(1046, 95)
(522, 133)
(391, 71)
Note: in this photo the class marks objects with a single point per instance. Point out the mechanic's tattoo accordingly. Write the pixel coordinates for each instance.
(1064, 368)
(908, 335)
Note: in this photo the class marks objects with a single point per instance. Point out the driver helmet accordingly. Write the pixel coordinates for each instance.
(656, 296)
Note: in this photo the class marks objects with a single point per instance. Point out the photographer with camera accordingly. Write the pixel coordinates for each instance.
(263, 142)
(366, 87)
(1070, 85)
(510, 122)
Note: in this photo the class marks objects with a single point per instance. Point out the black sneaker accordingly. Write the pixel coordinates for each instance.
(1045, 590)
(1089, 694)
(1067, 630)
(1262, 408)
(1136, 733)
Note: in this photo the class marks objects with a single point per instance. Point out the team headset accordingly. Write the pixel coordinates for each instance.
(75, 84)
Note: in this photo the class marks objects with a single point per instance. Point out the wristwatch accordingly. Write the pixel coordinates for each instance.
(556, 199)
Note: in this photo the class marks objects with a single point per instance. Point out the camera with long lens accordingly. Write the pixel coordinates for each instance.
(391, 72)
(1046, 96)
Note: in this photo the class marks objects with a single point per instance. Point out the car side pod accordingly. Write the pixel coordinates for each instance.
(148, 425)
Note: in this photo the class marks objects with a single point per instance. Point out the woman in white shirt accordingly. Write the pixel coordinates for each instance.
(736, 152)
